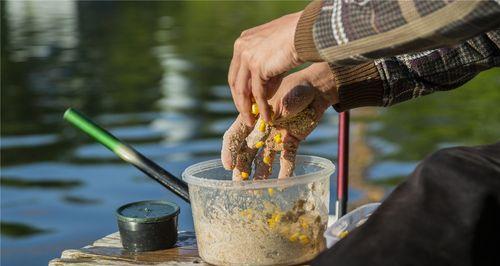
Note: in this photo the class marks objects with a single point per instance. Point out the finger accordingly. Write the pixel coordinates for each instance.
(287, 158)
(272, 85)
(260, 96)
(264, 161)
(301, 125)
(235, 63)
(263, 164)
(258, 135)
(233, 70)
(242, 95)
(243, 167)
(320, 105)
(275, 139)
(232, 141)
(293, 101)
(297, 100)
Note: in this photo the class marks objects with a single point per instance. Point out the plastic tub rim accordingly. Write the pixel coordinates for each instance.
(127, 219)
(189, 175)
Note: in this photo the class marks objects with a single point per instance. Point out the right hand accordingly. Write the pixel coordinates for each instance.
(261, 55)
(298, 104)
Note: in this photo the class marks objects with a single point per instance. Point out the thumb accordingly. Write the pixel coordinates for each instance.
(320, 105)
(293, 96)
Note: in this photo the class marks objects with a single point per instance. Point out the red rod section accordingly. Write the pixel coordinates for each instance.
(343, 163)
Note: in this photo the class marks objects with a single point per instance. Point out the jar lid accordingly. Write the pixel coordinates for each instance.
(147, 211)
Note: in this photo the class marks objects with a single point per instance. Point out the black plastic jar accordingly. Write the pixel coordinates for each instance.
(148, 225)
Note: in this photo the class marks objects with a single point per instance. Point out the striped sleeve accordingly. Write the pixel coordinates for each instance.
(392, 80)
(352, 32)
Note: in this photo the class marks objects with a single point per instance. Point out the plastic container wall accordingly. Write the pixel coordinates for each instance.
(262, 222)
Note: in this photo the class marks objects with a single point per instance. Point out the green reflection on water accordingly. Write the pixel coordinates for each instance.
(465, 116)
(20, 230)
(79, 200)
(16, 182)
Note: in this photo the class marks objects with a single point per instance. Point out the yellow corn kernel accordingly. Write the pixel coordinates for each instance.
(259, 144)
(271, 222)
(305, 221)
(244, 175)
(262, 126)
(294, 237)
(304, 240)
(255, 109)
(304, 224)
(270, 191)
(343, 234)
(277, 218)
(266, 159)
(277, 138)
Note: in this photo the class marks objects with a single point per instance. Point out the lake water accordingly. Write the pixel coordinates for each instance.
(154, 74)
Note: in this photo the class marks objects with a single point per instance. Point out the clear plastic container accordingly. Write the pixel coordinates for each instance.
(262, 222)
(340, 228)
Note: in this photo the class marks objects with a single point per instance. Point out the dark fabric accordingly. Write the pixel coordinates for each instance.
(446, 213)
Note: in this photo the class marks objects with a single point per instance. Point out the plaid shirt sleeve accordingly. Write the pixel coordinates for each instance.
(409, 76)
(385, 52)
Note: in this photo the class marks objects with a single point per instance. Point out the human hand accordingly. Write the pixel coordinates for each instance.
(298, 105)
(261, 54)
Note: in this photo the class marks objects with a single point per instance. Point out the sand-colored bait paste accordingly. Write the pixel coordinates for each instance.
(255, 227)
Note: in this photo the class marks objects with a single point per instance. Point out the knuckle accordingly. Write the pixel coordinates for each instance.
(244, 33)
(246, 56)
(253, 65)
(237, 44)
(240, 92)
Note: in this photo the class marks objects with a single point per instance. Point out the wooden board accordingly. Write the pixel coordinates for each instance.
(109, 251)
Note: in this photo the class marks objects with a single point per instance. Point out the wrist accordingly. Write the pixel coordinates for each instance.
(321, 77)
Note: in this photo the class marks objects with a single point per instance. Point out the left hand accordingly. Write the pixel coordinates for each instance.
(298, 104)
(260, 56)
